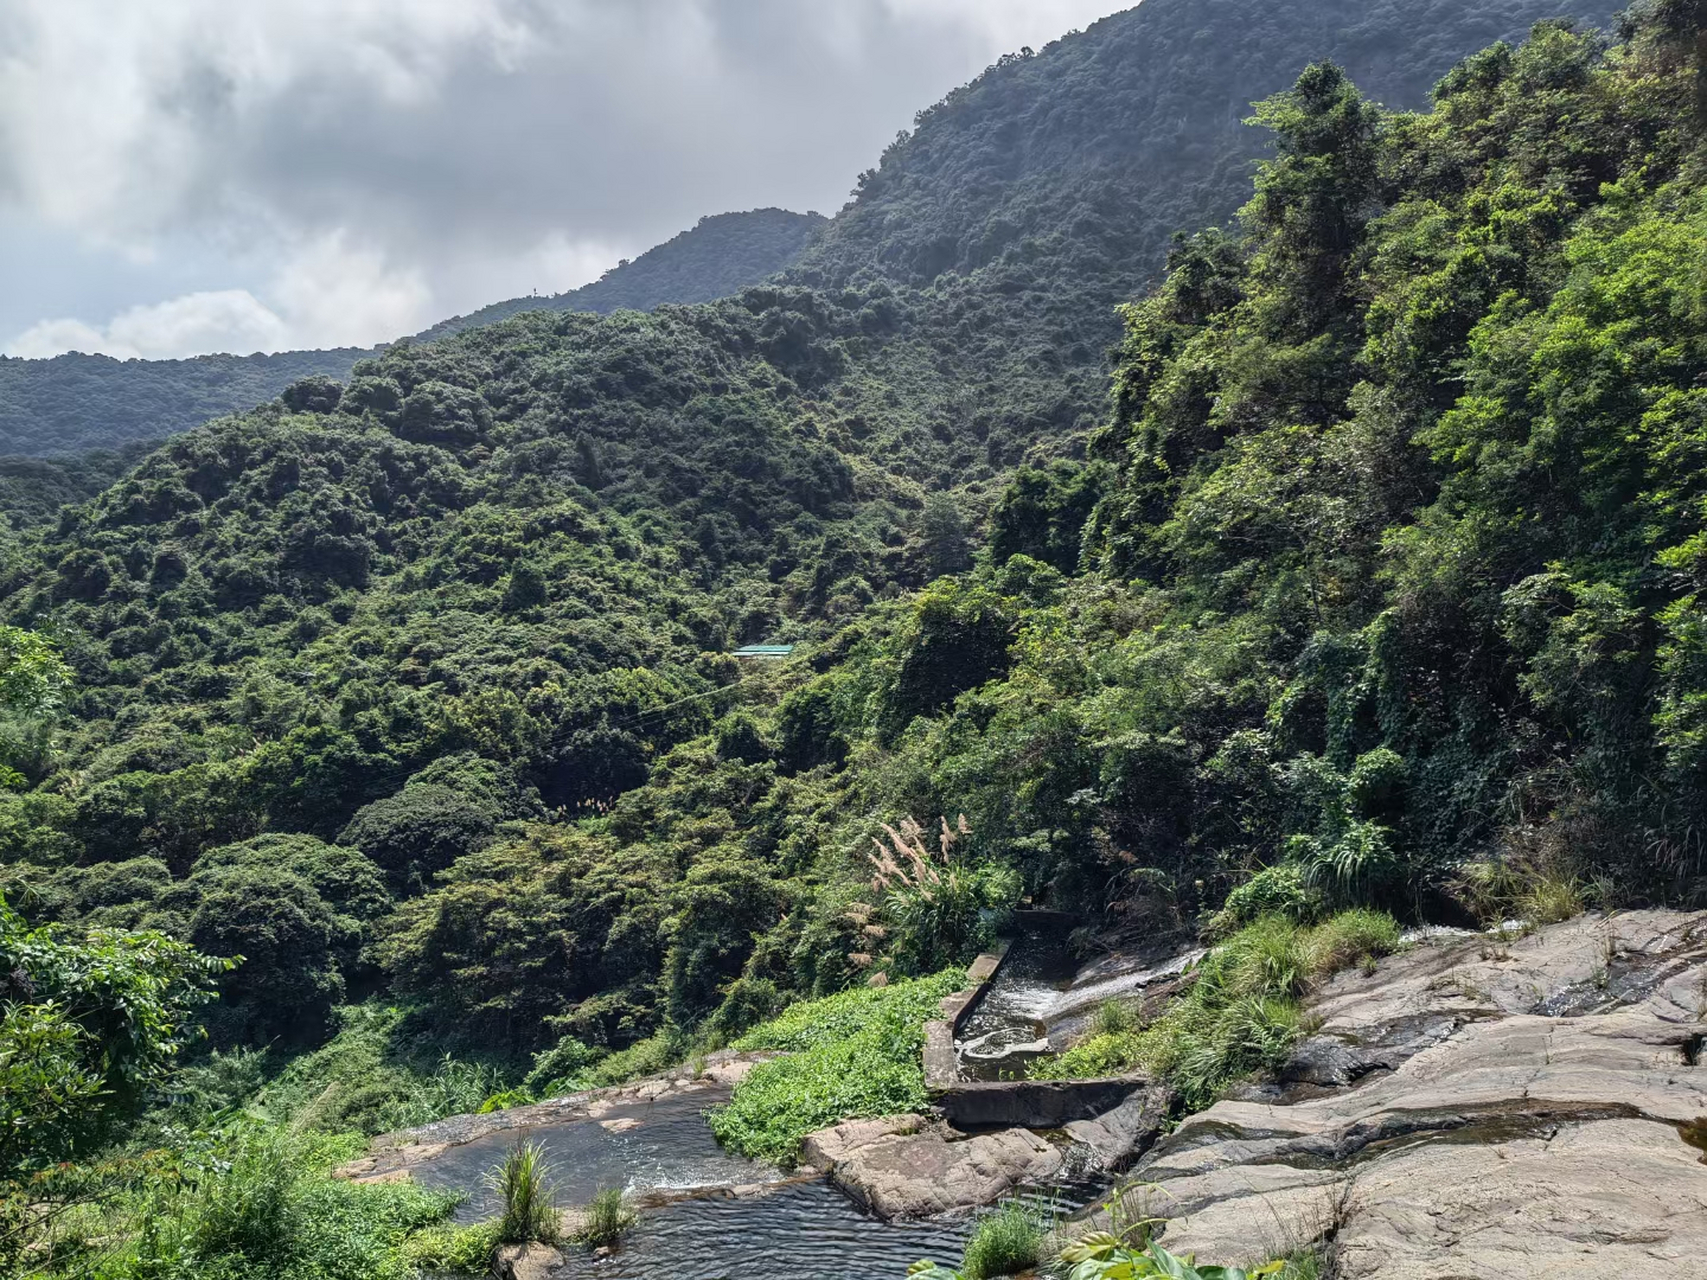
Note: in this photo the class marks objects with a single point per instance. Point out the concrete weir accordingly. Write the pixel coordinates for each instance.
(984, 1104)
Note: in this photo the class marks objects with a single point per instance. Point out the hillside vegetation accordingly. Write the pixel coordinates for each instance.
(718, 256)
(74, 403)
(1376, 588)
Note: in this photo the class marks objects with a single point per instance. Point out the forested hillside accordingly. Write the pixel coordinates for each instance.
(74, 403)
(718, 256)
(489, 580)
(1376, 584)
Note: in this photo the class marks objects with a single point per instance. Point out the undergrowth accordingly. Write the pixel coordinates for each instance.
(850, 1055)
(1241, 1013)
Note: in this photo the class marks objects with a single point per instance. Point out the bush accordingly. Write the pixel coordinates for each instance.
(608, 1216)
(1279, 890)
(851, 1055)
(1004, 1243)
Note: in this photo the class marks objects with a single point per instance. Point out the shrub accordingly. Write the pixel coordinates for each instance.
(608, 1216)
(1279, 890)
(1008, 1241)
(530, 1208)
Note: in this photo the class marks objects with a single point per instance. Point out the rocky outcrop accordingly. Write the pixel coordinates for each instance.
(1479, 1106)
(529, 1262)
(908, 1167)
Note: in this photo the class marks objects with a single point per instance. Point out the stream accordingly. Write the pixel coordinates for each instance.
(723, 1216)
(805, 1230)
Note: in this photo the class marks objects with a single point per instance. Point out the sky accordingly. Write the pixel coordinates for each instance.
(180, 177)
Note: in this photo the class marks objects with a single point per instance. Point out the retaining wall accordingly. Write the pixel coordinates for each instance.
(1030, 1104)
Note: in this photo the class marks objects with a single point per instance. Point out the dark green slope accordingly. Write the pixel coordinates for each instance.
(720, 255)
(1026, 205)
(77, 402)
(528, 543)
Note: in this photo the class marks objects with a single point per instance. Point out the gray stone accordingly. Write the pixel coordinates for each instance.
(1447, 1120)
(528, 1262)
(901, 1168)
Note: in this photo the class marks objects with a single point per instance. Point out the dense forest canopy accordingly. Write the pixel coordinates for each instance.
(1376, 584)
(74, 403)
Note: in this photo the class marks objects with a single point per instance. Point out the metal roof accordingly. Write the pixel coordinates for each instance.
(764, 651)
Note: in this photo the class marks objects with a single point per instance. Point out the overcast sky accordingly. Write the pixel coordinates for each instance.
(186, 176)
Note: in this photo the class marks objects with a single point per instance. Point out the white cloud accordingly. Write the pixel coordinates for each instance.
(356, 169)
(338, 295)
(224, 320)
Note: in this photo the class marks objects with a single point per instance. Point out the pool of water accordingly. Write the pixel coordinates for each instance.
(807, 1231)
(664, 1145)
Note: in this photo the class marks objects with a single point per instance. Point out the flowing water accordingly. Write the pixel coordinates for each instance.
(1041, 999)
(808, 1231)
(1007, 1028)
(804, 1230)
(663, 1145)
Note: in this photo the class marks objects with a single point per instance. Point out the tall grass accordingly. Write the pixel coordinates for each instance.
(608, 1216)
(530, 1210)
(1241, 1013)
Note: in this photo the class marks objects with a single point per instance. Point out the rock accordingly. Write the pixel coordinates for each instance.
(1452, 1119)
(622, 1124)
(934, 1170)
(528, 1262)
(942, 1068)
(1119, 1136)
(828, 1147)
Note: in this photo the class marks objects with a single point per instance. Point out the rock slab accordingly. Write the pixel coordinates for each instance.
(1487, 1107)
(909, 1167)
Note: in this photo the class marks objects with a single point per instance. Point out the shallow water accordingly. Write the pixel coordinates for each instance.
(1007, 1027)
(809, 1231)
(671, 1148)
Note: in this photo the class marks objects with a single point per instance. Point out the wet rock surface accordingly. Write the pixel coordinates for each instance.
(1476, 1107)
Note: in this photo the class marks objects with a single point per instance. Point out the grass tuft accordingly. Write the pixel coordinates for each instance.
(530, 1209)
(608, 1217)
(1005, 1242)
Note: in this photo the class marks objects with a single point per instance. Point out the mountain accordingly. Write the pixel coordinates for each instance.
(76, 402)
(720, 255)
(528, 543)
(1374, 590)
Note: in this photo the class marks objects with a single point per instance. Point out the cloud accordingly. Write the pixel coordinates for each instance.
(226, 320)
(452, 152)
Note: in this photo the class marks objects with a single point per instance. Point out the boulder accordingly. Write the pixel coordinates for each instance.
(529, 1262)
(934, 1170)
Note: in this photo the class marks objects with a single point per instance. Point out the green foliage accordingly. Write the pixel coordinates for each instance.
(458, 1250)
(89, 1029)
(1105, 1257)
(850, 1055)
(523, 1184)
(1240, 1013)
(1005, 1242)
(608, 1218)
(254, 1204)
